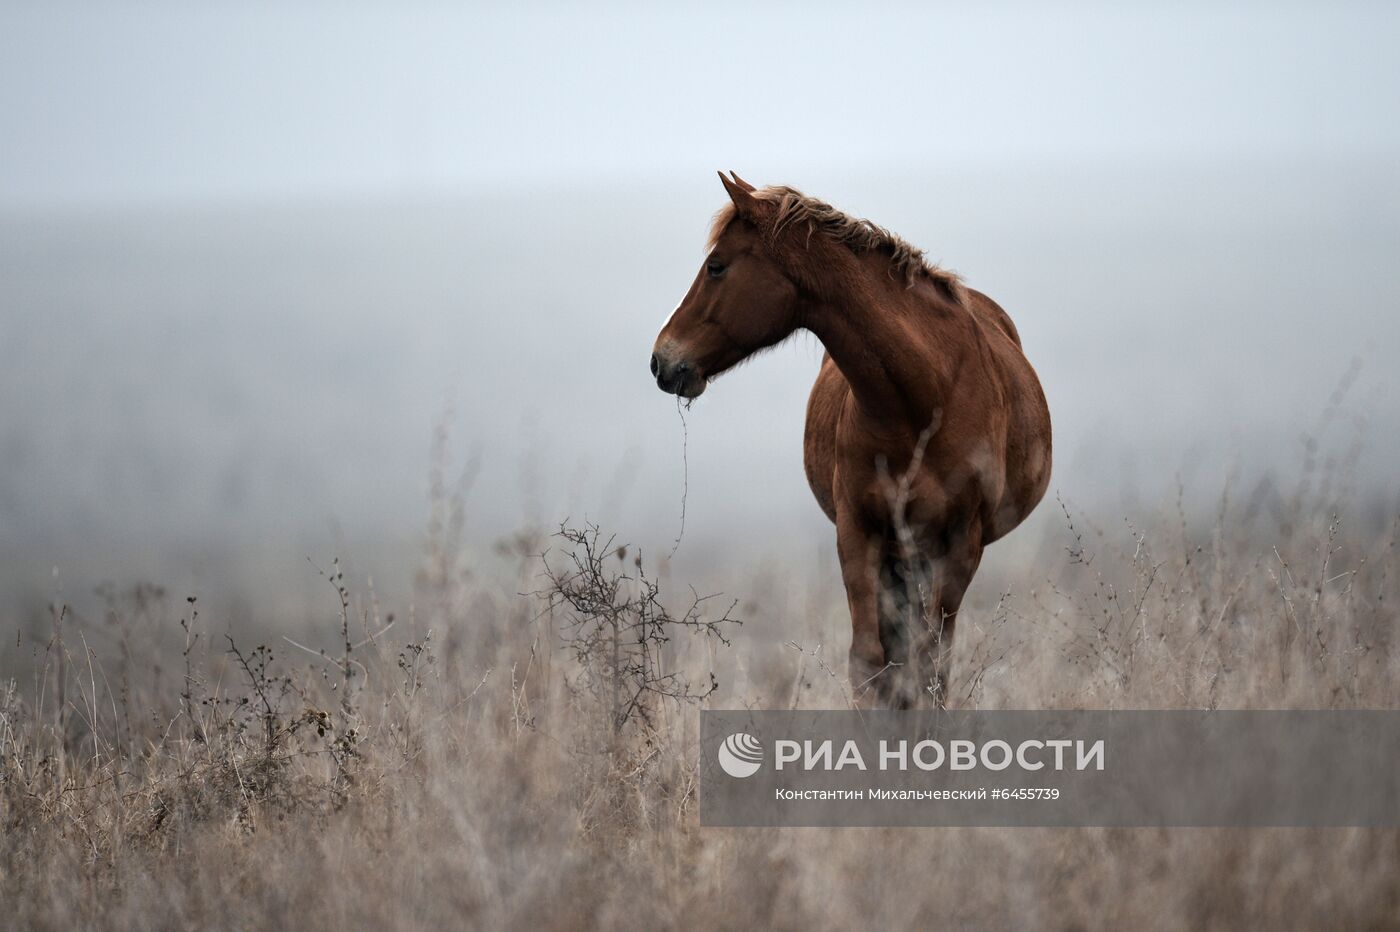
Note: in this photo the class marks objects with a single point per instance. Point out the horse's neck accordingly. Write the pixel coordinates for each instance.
(885, 341)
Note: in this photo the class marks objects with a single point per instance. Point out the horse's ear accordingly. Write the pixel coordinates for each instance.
(743, 199)
(739, 181)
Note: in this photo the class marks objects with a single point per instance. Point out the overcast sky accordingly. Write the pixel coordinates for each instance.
(136, 102)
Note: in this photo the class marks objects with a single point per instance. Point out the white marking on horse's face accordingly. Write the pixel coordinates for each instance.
(672, 315)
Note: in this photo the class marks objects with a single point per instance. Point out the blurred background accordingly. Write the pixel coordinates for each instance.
(252, 256)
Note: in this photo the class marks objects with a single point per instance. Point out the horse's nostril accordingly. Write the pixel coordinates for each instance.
(683, 369)
(655, 366)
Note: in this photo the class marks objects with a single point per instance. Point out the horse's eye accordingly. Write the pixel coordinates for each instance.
(715, 268)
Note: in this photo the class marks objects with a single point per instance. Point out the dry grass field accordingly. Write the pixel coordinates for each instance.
(491, 760)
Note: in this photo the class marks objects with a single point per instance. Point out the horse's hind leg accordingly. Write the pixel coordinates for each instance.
(903, 612)
(860, 571)
(949, 576)
(904, 592)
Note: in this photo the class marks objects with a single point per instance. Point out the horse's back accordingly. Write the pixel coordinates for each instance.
(992, 313)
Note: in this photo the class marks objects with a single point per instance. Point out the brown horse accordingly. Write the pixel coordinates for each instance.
(928, 436)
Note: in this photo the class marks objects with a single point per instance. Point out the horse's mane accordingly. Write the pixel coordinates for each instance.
(856, 234)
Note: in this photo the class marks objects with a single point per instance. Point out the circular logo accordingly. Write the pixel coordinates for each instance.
(740, 755)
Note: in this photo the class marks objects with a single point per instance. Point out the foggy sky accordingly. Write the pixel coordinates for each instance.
(181, 102)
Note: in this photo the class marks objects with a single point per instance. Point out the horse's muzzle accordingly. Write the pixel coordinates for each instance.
(676, 378)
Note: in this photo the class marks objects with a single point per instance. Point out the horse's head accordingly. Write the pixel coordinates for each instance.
(739, 303)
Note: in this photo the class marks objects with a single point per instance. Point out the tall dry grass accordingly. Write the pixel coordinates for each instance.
(490, 760)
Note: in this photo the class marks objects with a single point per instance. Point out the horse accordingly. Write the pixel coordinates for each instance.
(927, 431)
